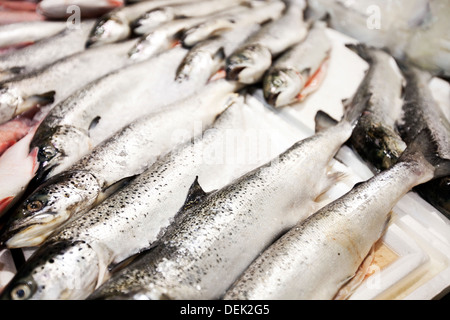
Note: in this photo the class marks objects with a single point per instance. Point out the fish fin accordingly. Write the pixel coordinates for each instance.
(195, 195)
(323, 121)
(114, 188)
(93, 124)
(361, 50)
(426, 146)
(333, 177)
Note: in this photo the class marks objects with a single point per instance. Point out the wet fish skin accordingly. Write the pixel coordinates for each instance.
(57, 81)
(58, 9)
(342, 234)
(127, 222)
(47, 51)
(116, 25)
(290, 73)
(249, 63)
(262, 13)
(374, 110)
(206, 250)
(102, 171)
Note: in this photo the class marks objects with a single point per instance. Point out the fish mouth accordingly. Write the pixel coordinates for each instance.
(272, 99)
(233, 72)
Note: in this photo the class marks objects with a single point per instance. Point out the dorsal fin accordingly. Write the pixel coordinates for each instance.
(194, 196)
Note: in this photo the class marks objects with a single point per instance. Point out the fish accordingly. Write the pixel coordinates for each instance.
(295, 69)
(62, 9)
(93, 113)
(341, 234)
(46, 51)
(127, 222)
(375, 108)
(57, 81)
(12, 131)
(115, 25)
(98, 174)
(28, 32)
(209, 56)
(18, 5)
(159, 16)
(10, 17)
(262, 13)
(249, 62)
(208, 247)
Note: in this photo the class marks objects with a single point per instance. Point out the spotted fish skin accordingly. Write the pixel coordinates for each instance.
(205, 251)
(341, 234)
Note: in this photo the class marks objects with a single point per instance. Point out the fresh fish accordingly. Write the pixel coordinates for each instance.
(267, 11)
(57, 81)
(10, 17)
(213, 242)
(18, 5)
(61, 9)
(115, 26)
(46, 51)
(291, 73)
(125, 154)
(249, 63)
(209, 56)
(29, 32)
(95, 112)
(127, 222)
(341, 234)
(375, 109)
(156, 17)
(161, 38)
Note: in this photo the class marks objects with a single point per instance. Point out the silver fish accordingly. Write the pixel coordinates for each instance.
(265, 12)
(95, 112)
(249, 63)
(125, 154)
(30, 31)
(212, 243)
(209, 56)
(116, 25)
(290, 73)
(57, 81)
(156, 17)
(127, 222)
(315, 258)
(60, 45)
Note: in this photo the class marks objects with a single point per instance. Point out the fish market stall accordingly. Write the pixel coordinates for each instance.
(202, 146)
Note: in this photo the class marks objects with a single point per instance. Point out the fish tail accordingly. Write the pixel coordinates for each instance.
(361, 50)
(424, 149)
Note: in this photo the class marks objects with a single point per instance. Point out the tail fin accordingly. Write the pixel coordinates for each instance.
(425, 145)
(323, 121)
(361, 50)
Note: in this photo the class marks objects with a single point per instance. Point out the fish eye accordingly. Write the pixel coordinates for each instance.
(21, 292)
(35, 205)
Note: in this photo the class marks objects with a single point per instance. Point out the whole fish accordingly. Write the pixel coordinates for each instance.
(29, 32)
(315, 258)
(209, 56)
(61, 9)
(261, 13)
(213, 242)
(156, 17)
(125, 154)
(57, 81)
(249, 63)
(375, 108)
(115, 26)
(129, 221)
(291, 73)
(96, 111)
(46, 51)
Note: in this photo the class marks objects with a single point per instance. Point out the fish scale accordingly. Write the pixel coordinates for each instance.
(212, 243)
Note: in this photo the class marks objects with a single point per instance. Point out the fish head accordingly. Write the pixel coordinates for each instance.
(48, 207)
(58, 148)
(152, 19)
(281, 87)
(248, 64)
(10, 101)
(109, 29)
(57, 271)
